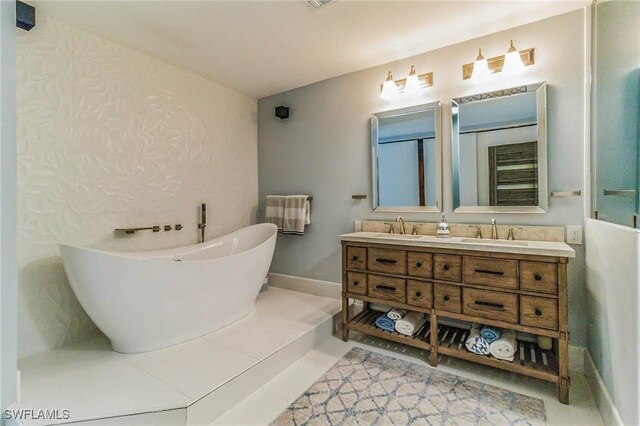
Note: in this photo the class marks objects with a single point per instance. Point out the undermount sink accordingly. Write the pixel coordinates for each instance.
(400, 236)
(493, 242)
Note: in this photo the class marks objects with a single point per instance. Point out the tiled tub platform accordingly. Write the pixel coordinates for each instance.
(192, 383)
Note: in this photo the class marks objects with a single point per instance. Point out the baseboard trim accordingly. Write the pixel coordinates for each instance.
(605, 404)
(306, 285)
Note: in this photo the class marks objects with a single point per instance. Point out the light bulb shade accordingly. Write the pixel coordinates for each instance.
(412, 85)
(512, 63)
(480, 70)
(389, 90)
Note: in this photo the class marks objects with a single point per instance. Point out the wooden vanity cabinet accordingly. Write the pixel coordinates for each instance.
(526, 293)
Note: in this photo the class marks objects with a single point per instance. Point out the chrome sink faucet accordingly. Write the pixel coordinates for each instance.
(510, 235)
(403, 231)
(494, 229)
(478, 232)
(390, 227)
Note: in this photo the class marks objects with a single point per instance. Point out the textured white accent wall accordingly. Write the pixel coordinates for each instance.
(108, 138)
(8, 338)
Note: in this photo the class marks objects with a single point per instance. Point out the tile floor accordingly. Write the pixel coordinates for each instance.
(92, 381)
(266, 403)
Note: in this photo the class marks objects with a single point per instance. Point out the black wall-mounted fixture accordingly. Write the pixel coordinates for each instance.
(282, 112)
(25, 15)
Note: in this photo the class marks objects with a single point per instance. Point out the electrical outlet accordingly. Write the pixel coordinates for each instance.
(574, 235)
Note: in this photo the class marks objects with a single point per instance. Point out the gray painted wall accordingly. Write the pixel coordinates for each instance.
(323, 149)
(8, 274)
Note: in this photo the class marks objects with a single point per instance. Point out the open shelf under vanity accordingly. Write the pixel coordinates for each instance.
(365, 322)
(454, 288)
(529, 360)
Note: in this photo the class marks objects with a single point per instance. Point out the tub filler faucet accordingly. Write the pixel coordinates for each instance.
(203, 222)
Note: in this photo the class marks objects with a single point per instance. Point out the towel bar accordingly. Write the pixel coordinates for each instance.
(566, 193)
(623, 192)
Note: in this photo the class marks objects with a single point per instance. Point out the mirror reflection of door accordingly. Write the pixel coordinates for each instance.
(407, 172)
(513, 174)
(406, 158)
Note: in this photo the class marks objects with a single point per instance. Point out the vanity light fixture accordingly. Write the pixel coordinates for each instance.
(480, 68)
(410, 85)
(512, 60)
(389, 88)
(508, 62)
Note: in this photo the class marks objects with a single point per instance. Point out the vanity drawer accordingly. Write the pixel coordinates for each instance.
(389, 261)
(491, 272)
(356, 258)
(539, 312)
(490, 304)
(539, 277)
(419, 264)
(419, 293)
(447, 267)
(446, 298)
(386, 288)
(357, 283)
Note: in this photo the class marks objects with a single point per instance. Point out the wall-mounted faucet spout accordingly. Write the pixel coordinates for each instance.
(203, 222)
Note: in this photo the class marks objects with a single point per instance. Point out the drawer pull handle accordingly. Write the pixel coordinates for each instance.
(419, 264)
(446, 298)
(356, 282)
(446, 267)
(354, 258)
(489, 304)
(538, 312)
(484, 271)
(386, 288)
(387, 261)
(537, 277)
(418, 294)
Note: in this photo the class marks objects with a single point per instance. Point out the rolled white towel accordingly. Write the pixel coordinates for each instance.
(475, 342)
(396, 313)
(410, 323)
(545, 343)
(505, 347)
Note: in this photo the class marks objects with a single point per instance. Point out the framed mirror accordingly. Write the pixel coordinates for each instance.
(499, 151)
(406, 147)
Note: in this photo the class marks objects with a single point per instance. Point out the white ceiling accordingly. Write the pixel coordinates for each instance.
(265, 47)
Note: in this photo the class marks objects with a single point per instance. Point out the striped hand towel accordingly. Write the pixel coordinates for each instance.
(290, 213)
(274, 210)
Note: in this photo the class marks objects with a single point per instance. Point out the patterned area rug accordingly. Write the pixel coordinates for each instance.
(369, 388)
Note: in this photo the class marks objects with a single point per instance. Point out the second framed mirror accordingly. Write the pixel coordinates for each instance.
(499, 151)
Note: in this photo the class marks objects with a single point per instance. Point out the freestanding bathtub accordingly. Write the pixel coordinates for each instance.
(150, 300)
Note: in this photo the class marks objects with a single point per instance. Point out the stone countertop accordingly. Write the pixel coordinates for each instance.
(540, 248)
